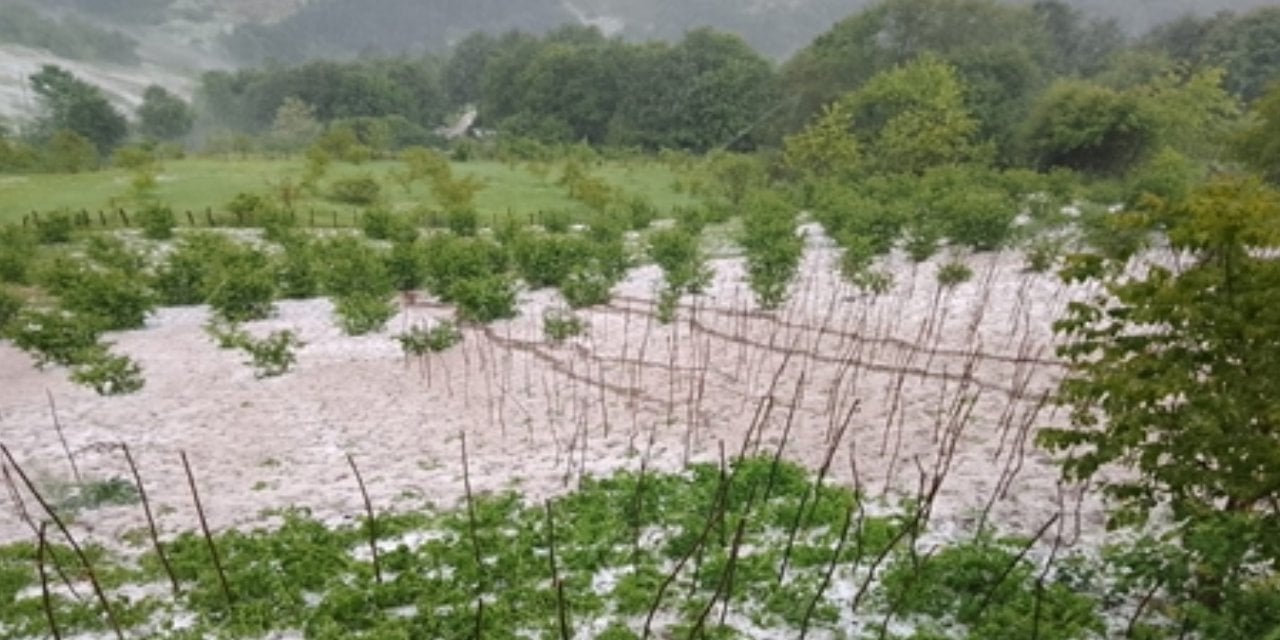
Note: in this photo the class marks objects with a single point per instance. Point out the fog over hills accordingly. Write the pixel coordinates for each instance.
(171, 41)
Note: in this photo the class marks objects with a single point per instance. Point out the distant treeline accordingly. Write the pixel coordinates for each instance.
(712, 90)
(69, 37)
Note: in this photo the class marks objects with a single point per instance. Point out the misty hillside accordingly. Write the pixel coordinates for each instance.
(123, 45)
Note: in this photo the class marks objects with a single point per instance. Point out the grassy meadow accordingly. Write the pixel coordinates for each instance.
(198, 183)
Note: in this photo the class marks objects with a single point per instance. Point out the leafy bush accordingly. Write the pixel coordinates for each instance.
(382, 224)
(354, 267)
(451, 259)
(10, 305)
(55, 227)
(463, 222)
(640, 213)
(679, 253)
(297, 269)
(114, 299)
(108, 374)
(157, 222)
(243, 287)
(484, 299)
(419, 340)
(557, 221)
(270, 357)
(954, 273)
(277, 225)
(187, 274)
(274, 355)
(17, 253)
(54, 336)
(407, 266)
(586, 287)
(363, 313)
(546, 260)
(559, 325)
(247, 206)
(773, 248)
(360, 190)
(1041, 255)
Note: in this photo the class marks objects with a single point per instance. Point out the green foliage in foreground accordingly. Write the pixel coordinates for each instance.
(616, 541)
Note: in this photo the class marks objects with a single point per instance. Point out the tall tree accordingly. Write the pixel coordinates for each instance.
(1258, 146)
(164, 116)
(69, 103)
(1171, 378)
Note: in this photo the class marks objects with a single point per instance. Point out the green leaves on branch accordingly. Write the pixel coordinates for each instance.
(684, 267)
(1171, 376)
(772, 246)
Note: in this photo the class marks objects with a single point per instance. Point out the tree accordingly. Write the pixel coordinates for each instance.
(1089, 128)
(164, 116)
(72, 104)
(914, 117)
(1001, 51)
(1258, 146)
(295, 126)
(827, 147)
(1172, 375)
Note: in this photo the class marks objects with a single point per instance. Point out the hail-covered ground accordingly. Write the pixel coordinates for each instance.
(900, 388)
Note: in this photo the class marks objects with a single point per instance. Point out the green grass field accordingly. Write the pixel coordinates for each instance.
(200, 183)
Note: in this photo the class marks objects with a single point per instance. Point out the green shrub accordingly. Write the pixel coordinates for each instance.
(110, 252)
(546, 260)
(559, 325)
(363, 313)
(407, 266)
(419, 341)
(361, 190)
(353, 267)
(277, 225)
(451, 259)
(556, 221)
(157, 222)
(270, 357)
(18, 248)
(640, 213)
(463, 222)
(10, 305)
(773, 248)
(108, 374)
(274, 355)
(114, 300)
(1041, 255)
(247, 206)
(297, 270)
(186, 276)
(54, 336)
(55, 227)
(484, 299)
(586, 287)
(243, 287)
(679, 253)
(382, 224)
(954, 273)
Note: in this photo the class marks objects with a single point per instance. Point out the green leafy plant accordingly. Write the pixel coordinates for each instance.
(18, 248)
(484, 299)
(772, 246)
(243, 287)
(54, 336)
(419, 340)
(108, 374)
(55, 227)
(363, 313)
(359, 190)
(954, 273)
(98, 493)
(558, 325)
(157, 221)
(274, 355)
